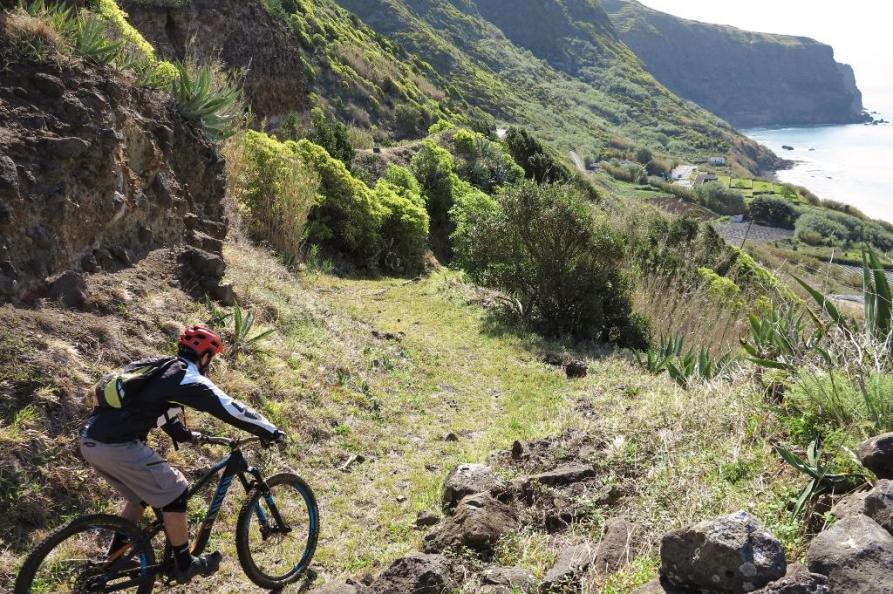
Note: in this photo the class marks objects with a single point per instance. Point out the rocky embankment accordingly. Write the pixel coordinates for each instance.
(94, 174)
(733, 554)
(749, 79)
(242, 34)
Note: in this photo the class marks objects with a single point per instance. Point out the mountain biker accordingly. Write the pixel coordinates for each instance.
(113, 440)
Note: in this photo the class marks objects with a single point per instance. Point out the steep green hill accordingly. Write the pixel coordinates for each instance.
(562, 72)
(750, 79)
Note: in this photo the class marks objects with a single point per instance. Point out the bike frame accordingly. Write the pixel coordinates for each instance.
(233, 465)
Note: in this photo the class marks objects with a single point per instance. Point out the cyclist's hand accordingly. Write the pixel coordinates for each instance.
(278, 438)
(196, 437)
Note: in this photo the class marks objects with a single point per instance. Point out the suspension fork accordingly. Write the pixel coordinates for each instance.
(260, 484)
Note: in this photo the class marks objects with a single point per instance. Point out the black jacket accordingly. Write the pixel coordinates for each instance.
(160, 404)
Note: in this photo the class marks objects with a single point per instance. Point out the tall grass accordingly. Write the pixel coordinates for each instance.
(273, 190)
(676, 308)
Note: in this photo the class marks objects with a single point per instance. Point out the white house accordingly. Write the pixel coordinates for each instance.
(717, 160)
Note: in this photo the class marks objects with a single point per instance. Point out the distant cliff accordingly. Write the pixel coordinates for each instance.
(749, 79)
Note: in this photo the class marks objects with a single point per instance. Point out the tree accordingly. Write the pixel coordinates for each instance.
(644, 156)
(541, 245)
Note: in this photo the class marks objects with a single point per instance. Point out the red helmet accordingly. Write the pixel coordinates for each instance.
(201, 339)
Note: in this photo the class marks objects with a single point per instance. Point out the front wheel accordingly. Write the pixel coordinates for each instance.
(75, 559)
(277, 531)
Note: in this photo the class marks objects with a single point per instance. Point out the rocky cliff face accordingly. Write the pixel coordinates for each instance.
(94, 173)
(749, 79)
(242, 34)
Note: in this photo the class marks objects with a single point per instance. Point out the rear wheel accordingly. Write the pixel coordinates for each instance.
(277, 531)
(74, 560)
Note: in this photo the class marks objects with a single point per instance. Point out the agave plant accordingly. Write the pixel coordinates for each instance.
(91, 38)
(205, 96)
(780, 338)
(876, 290)
(241, 338)
(820, 480)
(682, 366)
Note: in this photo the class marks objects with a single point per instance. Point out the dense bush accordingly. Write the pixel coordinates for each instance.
(406, 227)
(331, 135)
(539, 163)
(542, 246)
(720, 200)
(776, 212)
(482, 162)
(273, 189)
(434, 168)
(385, 227)
(644, 156)
(828, 227)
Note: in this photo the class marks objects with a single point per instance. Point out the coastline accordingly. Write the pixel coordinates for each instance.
(845, 163)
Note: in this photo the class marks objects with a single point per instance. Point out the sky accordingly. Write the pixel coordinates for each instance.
(859, 30)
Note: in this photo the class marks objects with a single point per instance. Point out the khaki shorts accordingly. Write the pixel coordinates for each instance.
(136, 471)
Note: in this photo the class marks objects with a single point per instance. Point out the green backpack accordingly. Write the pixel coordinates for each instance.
(119, 388)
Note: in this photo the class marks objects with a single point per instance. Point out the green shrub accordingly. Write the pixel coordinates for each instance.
(539, 162)
(348, 216)
(543, 247)
(484, 163)
(720, 200)
(331, 135)
(775, 212)
(404, 229)
(273, 189)
(385, 227)
(644, 156)
(826, 227)
(721, 289)
(434, 168)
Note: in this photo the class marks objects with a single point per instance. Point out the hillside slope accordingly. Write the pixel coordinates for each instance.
(749, 79)
(565, 75)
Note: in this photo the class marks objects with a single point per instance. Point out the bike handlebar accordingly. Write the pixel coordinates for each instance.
(227, 441)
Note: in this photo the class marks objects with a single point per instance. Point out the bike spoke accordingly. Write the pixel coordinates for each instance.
(78, 565)
(279, 531)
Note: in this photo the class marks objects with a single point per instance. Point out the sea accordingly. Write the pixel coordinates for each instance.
(852, 164)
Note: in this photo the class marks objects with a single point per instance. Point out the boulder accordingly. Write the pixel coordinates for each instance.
(420, 574)
(66, 148)
(730, 555)
(477, 523)
(69, 288)
(426, 519)
(851, 505)
(878, 505)
(876, 454)
(857, 556)
(49, 85)
(566, 474)
(620, 545)
(565, 574)
(506, 580)
(468, 479)
(799, 580)
(576, 369)
(202, 263)
(9, 178)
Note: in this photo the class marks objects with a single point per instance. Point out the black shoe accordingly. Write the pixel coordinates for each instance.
(204, 566)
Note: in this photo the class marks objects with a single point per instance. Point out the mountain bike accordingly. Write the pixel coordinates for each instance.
(276, 534)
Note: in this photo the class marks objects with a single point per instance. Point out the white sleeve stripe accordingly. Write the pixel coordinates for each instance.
(192, 376)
